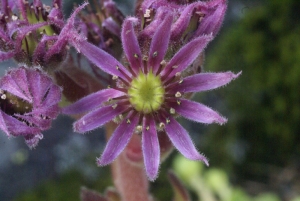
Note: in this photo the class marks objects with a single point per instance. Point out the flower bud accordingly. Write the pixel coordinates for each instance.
(29, 102)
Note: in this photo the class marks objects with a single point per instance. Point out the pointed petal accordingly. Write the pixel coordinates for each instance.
(103, 60)
(20, 77)
(14, 127)
(56, 17)
(119, 139)
(67, 34)
(51, 97)
(23, 31)
(92, 101)
(6, 55)
(159, 43)
(97, 118)
(203, 82)
(183, 21)
(213, 19)
(186, 55)
(182, 141)
(4, 37)
(37, 4)
(151, 150)
(130, 44)
(3, 125)
(112, 26)
(33, 140)
(9, 83)
(198, 112)
(57, 4)
(22, 9)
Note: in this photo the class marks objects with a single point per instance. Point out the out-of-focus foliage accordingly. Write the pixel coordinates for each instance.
(212, 184)
(262, 135)
(65, 188)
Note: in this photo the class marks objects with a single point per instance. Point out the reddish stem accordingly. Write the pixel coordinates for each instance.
(128, 170)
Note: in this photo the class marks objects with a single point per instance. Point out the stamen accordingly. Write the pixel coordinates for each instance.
(154, 54)
(147, 13)
(161, 125)
(139, 129)
(178, 94)
(172, 111)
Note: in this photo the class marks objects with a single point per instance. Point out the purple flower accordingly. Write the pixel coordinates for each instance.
(101, 25)
(29, 102)
(27, 35)
(191, 18)
(149, 94)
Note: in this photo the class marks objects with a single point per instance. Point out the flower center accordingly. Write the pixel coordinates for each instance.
(146, 92)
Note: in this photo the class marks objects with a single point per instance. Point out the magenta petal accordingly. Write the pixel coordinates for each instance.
(203, 82)
(198, 112)
(151, 150)
(6, 55)
(182, 141)
(14, 127)
(119, 139)
(213, 19)
(52, 96)
(9, 84)
(23, 31)
(33, 140)
(92, 101)
(103, 60)
(56, 17)
(4, 37)
(186, 55)
(112, 26)
(97, 118)
(183, 21)
(22, 9)
(37, 3)
(130, 44)
(159, 44)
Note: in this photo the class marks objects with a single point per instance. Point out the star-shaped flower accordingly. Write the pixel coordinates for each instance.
(149, 94)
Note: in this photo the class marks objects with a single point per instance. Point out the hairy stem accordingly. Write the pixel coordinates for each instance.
(128, 171)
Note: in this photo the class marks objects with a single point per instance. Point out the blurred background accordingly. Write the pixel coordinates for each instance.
(255, 156)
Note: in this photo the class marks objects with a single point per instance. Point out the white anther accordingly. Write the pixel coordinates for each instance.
(178, 94)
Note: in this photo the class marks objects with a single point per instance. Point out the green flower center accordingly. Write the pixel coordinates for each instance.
(146, 92)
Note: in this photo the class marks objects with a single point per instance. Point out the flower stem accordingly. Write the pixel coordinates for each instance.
(128, 171)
